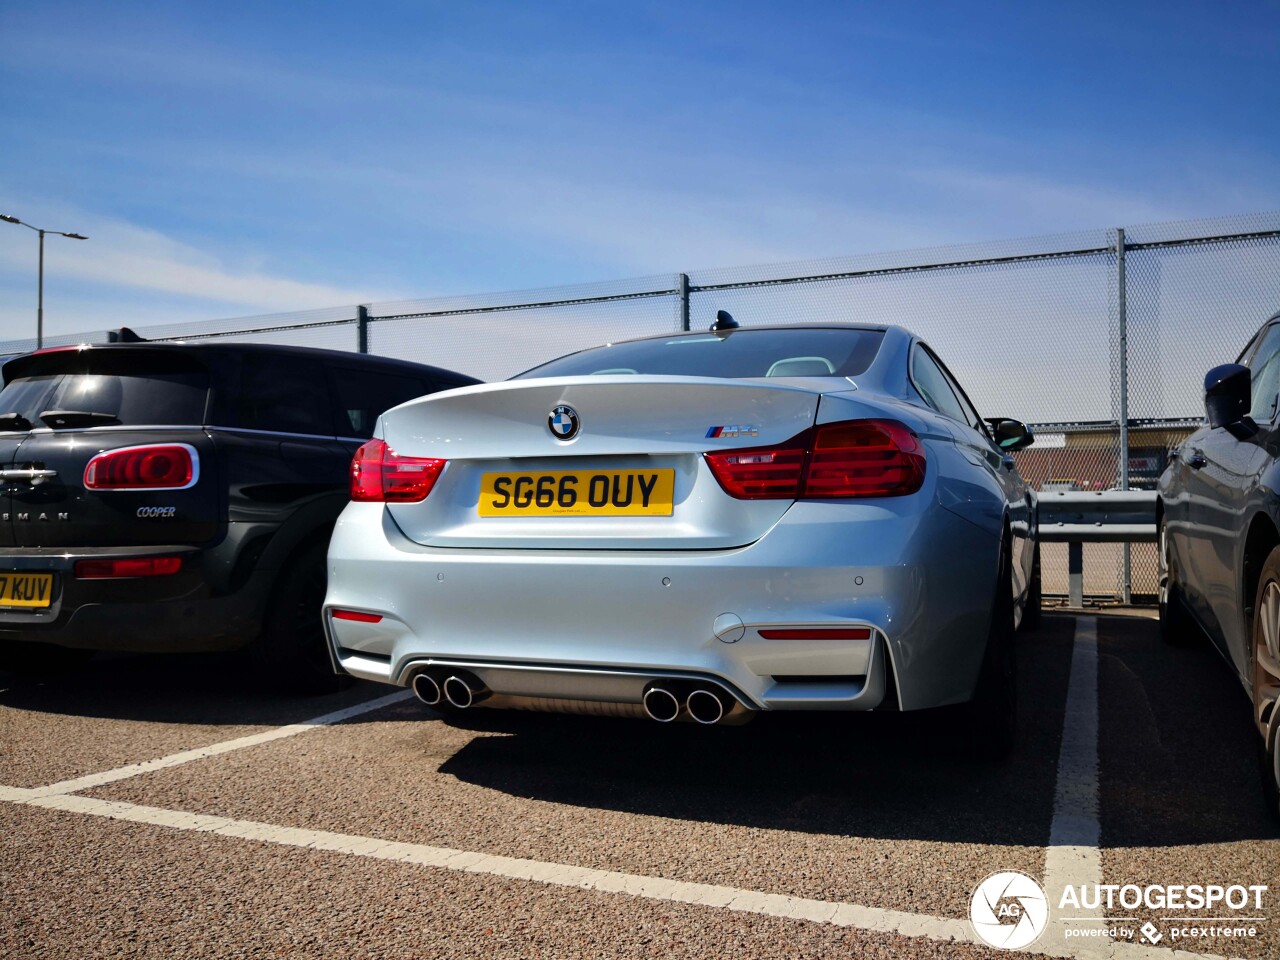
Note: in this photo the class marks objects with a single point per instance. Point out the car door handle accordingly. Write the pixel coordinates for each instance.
(25, 473)
(1197, 460)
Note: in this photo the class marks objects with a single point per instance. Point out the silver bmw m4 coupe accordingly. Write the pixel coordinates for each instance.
(694, 527)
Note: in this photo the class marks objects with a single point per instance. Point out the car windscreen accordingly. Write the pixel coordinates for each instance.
(739, 354)
(87, 389)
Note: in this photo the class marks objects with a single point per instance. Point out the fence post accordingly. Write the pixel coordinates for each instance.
(362, 329)
(684, 301)
(1122, 305)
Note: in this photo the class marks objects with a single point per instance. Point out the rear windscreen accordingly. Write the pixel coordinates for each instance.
(740, 354)
(103, 390)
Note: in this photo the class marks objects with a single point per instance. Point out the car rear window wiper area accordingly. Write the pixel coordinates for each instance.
(14, 421)
(77, 418)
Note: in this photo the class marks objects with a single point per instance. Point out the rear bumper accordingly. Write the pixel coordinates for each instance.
(178, 612)
(916, 577)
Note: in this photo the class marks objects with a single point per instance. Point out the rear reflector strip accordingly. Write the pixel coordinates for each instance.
(127, 567)
(818, 633)
(356, 615)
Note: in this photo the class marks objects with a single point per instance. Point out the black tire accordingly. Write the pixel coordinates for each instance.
(992, 716)
(1032, 609)
(1177, 629)
(1270, 764)
(292, 651)
(41, 659)
(1264, 675)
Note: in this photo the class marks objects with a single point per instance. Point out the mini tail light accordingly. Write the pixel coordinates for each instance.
(127, 567)
(853, 458)
(162, 466)
(379, 474)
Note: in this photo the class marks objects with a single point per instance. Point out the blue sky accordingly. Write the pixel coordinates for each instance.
(237, 158)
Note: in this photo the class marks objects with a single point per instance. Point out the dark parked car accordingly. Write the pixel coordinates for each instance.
(180, 497)
(1219, 521)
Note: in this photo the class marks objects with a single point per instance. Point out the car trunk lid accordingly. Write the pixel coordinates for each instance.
(73, 405)
(633, 446)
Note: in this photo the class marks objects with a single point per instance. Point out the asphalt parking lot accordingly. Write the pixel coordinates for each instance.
(166, 807)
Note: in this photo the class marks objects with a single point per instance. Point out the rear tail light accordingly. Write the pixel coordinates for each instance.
(854, 458)
(164, 466)
(127, 567)
(380, 474)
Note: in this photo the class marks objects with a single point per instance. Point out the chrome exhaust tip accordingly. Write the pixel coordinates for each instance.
(661, 704)
(706, 705)
(463, 691)
(427, 689)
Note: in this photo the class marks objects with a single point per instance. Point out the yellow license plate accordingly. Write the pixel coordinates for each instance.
(573, 493)
(26, 589)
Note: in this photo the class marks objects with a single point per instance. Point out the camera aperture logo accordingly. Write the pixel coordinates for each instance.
(1009, 910)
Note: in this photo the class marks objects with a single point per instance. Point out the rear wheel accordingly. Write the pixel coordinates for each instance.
(1176, 626)
(1265, 661)
(292, 649)
(993, 713)
(41, 658)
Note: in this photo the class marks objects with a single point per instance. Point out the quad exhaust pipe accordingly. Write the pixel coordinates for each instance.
(706, 705)
(660, 703)
(456, 688)
(663, 701)
(703, 704)
(427, 689)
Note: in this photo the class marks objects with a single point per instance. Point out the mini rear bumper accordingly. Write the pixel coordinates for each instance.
(915, 578)
(177, 612)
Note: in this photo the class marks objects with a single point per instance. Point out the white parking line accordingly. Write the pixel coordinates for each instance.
(857, 916)
(226, 746)
(1074, 857)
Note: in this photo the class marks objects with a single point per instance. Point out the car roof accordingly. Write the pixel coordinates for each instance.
(216, 348)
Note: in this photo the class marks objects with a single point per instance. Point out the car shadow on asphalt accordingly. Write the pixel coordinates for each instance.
(214, 688)
(890, 775)
(1177, 749)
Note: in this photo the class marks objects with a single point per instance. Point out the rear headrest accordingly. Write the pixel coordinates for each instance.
(801, 367)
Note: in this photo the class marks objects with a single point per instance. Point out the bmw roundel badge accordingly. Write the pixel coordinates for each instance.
(563, 422)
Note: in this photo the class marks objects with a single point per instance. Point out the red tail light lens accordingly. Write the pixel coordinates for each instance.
(761, 473)
(855, 458)
(127, 567)
(167, 466)
(379, 474)
(865, 458)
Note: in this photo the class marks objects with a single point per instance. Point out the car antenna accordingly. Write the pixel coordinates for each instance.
(124, 335)
(724, 321)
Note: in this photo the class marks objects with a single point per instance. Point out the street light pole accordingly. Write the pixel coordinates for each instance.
(40, 281)
(40, 297)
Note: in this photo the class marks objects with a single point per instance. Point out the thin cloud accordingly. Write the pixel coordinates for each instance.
(126, 255)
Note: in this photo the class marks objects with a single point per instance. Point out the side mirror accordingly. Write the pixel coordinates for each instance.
(1011, 435)
(1226, 394)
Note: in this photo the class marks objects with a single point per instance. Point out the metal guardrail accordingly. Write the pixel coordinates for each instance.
(1107, 516)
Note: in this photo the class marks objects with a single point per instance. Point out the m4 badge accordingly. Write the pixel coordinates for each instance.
(732, 430)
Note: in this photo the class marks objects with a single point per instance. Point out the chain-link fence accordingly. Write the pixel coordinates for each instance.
(1098, 338)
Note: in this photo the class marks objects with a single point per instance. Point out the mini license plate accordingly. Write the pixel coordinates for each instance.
(576, 493)
(26, 589)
